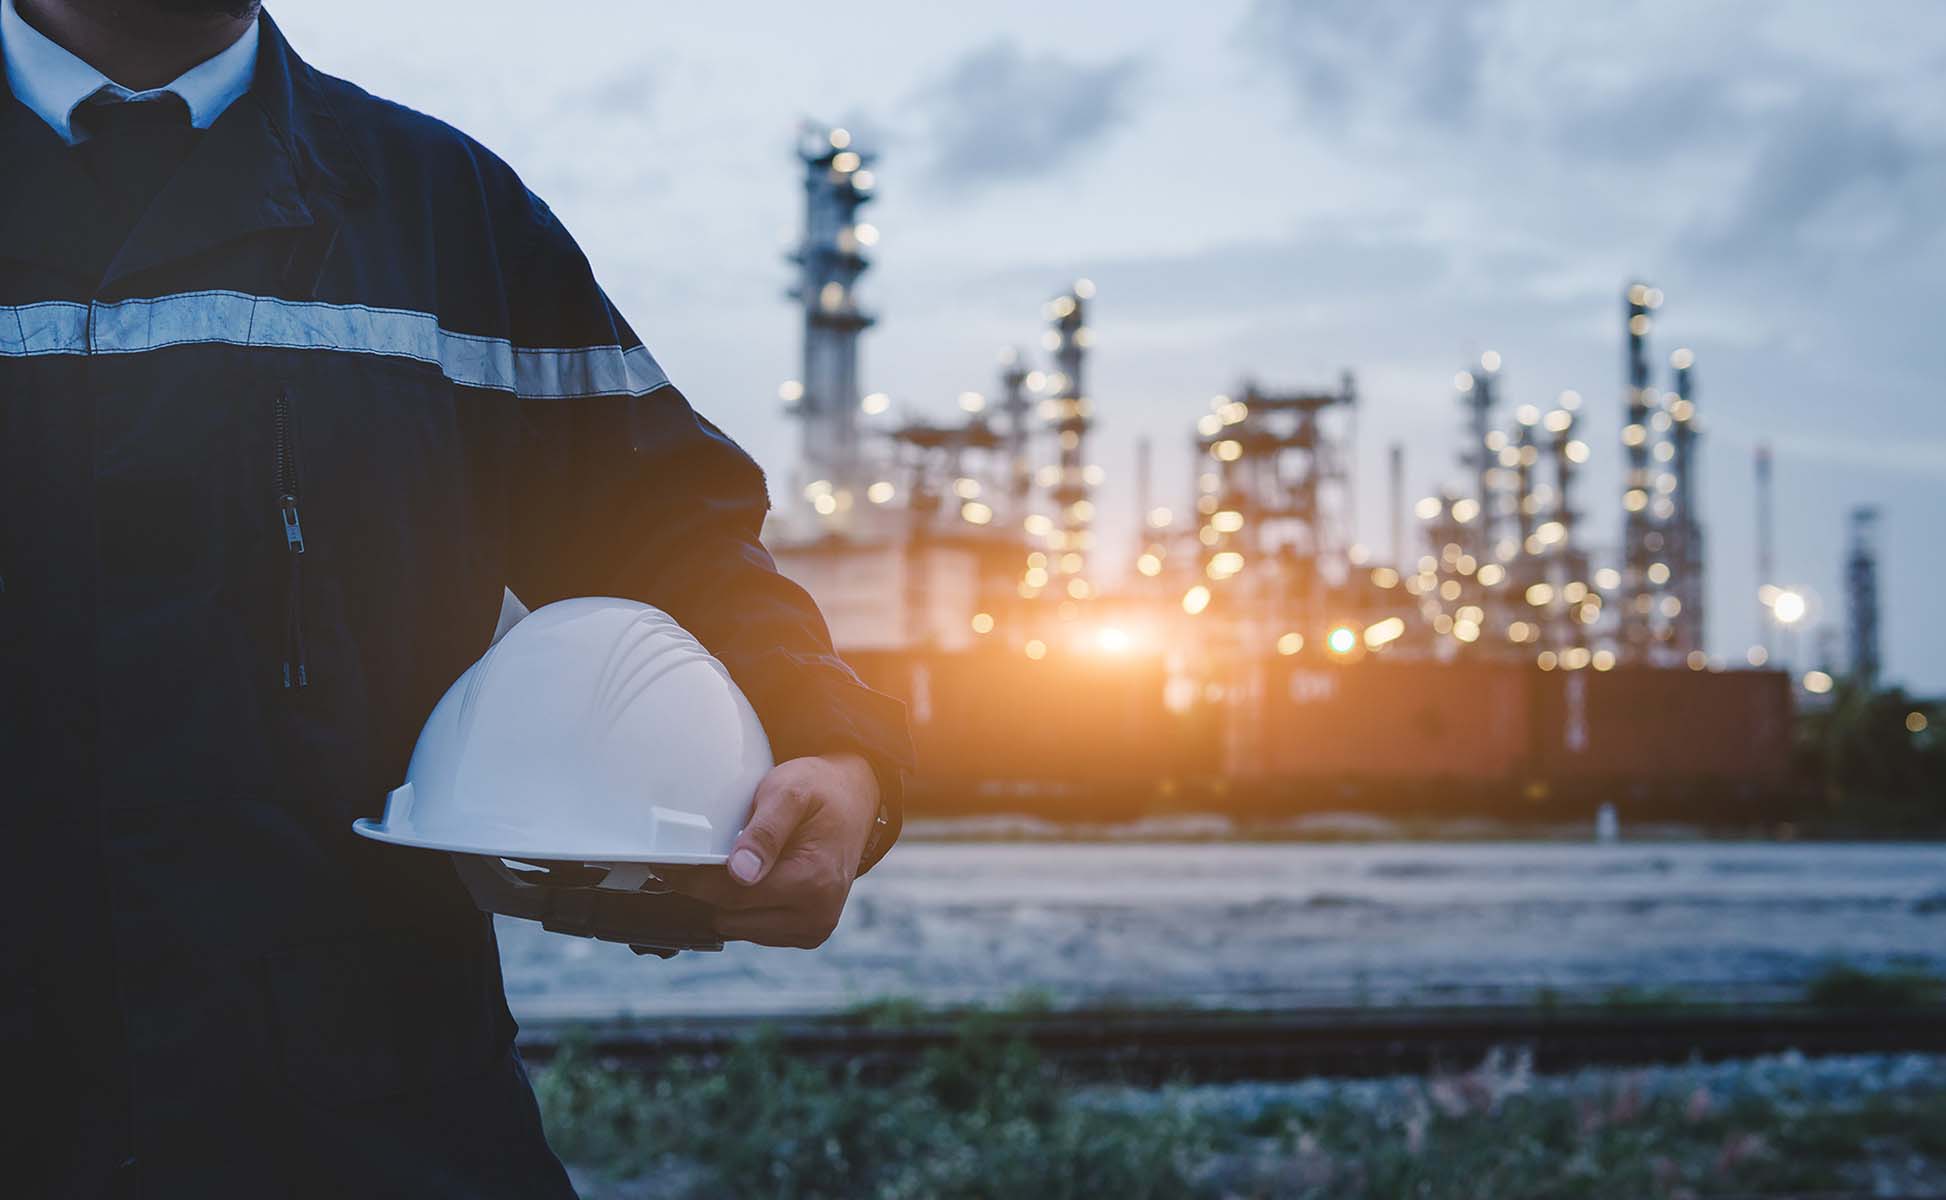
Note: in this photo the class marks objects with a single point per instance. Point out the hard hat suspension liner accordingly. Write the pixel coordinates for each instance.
(571, 898)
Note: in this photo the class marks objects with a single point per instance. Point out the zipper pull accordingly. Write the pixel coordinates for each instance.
(293, 527)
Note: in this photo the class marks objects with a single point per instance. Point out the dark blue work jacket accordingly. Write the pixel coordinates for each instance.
(346, 329)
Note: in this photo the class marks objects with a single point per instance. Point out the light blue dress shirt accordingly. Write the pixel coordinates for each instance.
(53, 82)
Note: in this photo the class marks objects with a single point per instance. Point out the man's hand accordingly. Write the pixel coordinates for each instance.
(791, 868)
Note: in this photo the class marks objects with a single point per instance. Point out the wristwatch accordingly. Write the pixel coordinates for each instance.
(875, 836)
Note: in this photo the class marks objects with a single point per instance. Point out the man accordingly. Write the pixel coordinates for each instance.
(293, 381)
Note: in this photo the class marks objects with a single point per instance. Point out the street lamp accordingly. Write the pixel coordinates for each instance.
(1788, 607)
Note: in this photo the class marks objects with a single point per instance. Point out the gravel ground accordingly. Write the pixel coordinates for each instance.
(1290, 924)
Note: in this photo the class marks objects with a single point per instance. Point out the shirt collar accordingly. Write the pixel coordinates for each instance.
(53, 82)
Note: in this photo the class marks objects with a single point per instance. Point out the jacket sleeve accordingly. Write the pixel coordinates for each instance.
(620, 488)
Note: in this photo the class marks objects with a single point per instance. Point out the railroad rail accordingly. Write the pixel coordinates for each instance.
(1149, 1048)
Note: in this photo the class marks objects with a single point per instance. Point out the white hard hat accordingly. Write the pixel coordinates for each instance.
(595, 739)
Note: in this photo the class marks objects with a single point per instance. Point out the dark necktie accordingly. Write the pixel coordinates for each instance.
(132, 150)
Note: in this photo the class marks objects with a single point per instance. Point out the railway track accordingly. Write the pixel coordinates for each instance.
(1148, 1048)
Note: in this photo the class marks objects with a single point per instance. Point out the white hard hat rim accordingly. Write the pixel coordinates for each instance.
(366, 827)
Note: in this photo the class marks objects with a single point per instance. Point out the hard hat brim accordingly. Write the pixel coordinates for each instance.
(379, 832)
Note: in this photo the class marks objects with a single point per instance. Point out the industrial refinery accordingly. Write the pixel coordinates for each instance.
(1519, 639)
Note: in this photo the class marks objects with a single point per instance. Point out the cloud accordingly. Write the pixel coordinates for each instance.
(1924, 457)
(1336, 265)
(1783, 164)
(1830, 174)
(1647, 120)
(630, 91)
(1343, 57)
(999, 114)
(1354, 269)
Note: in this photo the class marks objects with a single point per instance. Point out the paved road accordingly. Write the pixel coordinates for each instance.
(1291, 924)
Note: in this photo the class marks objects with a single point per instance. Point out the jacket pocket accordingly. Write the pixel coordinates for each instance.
(367, 1018)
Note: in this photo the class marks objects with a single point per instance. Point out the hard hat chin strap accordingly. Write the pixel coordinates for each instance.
(593, 902)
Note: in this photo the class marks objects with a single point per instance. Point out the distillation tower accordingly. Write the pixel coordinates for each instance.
(838, 181)
(1578, 607)
(1468, 538)
(1071, 413)
(1479, 394)
(1685, 525)
(1641, 540)
(1861, 594)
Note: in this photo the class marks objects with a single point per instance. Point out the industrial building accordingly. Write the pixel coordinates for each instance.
(1253, 640)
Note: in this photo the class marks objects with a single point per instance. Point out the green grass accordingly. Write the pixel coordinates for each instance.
(1616, 1143)
(983, 1118)
(1631, 996)
(1841, 985)
(987, 1118)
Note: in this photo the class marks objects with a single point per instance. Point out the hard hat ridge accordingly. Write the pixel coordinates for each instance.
(651, 647)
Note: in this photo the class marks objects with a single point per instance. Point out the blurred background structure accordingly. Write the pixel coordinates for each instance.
(1245, 652)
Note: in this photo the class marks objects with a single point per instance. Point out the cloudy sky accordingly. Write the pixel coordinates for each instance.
(1282, 190)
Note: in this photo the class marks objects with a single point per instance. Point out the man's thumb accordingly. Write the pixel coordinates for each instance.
(774, 815)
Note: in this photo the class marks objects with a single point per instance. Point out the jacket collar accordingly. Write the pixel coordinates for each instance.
(276, 159)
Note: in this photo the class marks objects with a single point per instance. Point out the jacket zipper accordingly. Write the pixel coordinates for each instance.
(297, 672)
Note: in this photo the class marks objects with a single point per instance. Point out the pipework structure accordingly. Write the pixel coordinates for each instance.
(1641, 540)
(1018, 411)
(1684, 540)
(838, 181)
(1273, 483)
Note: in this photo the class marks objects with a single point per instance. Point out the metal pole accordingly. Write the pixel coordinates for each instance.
(1398, 504)
(1766, 564)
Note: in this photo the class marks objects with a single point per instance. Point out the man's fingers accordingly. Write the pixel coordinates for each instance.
(779, 808)
(713, 885)
(774, 927)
